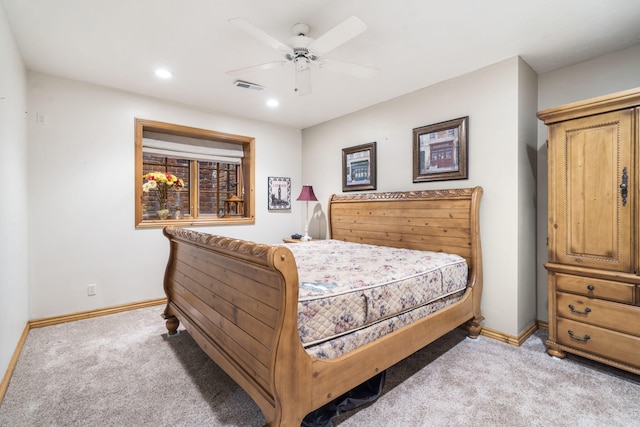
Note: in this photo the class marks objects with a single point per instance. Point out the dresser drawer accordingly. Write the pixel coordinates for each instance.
(592, 339)
(597, 288)
(611, 315)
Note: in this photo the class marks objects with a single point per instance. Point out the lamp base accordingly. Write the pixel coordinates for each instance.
(305, 238)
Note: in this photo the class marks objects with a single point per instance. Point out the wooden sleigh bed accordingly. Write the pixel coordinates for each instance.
(239, 299)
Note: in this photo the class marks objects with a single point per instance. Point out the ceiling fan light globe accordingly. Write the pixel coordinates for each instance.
(302, 63)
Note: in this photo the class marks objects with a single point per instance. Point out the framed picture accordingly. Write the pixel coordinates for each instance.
(359, 167)
(279, 193)
(440, 151)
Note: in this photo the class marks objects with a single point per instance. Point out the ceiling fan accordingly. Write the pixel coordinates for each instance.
(305, 52)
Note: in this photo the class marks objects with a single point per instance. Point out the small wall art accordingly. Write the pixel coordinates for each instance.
(359, 167)
(440, 151)
(279, 193)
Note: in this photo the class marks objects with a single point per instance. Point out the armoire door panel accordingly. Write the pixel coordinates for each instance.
(591, 205)
(593, 225)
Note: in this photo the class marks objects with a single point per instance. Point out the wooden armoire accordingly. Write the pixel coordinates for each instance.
(594, 235)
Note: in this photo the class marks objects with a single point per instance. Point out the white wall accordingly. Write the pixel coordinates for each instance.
(81, 189)
(13, 195)
(490, 97)
(527, 168)
(600, 76)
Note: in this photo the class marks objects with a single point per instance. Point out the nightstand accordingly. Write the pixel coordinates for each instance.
(290, 240)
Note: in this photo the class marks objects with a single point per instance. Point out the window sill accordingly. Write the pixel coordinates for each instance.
(190, 222)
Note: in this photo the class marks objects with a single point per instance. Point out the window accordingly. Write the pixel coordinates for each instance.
(214, 176)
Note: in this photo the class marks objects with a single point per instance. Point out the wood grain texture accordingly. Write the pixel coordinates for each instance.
(594, 238)
(239, 299)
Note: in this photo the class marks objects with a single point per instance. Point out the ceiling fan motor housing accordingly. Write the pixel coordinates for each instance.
(301, 54)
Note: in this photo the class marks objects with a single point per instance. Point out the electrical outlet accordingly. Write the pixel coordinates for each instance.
(91, 289)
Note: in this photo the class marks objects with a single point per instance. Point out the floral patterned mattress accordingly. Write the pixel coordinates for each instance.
(350, 287)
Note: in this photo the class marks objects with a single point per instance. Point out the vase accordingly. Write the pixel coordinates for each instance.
(163, 212)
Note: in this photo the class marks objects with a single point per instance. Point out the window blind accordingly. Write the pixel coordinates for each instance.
(191, 148)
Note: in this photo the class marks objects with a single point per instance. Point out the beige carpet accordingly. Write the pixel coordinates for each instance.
(121, 370)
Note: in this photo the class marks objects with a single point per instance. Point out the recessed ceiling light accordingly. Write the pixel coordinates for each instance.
(164, 74)
(272, 103)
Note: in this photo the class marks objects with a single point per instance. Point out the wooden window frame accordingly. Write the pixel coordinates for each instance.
(247, 170)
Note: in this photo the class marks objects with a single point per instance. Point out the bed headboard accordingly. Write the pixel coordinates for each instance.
(432, 220)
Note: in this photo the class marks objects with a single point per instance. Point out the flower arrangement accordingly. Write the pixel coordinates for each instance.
(162, 183)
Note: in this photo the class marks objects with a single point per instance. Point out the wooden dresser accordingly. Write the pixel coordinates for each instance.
(594, 230)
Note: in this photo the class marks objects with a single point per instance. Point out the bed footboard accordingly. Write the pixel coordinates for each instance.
(231, 296)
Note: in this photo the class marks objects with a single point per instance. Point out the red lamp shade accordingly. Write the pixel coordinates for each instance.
(307, 194)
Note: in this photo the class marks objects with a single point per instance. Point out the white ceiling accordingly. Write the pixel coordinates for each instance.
(413, 43)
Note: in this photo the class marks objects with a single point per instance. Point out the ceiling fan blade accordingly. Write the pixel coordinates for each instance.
(341, 33)
(356, 70)
(252, 30)
(303, 77)
(266, 66)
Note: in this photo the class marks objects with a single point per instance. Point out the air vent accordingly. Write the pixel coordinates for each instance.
(248, 85)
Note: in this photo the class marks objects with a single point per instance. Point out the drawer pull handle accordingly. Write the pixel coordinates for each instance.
(591, 287)
(573, 310)
(583, 339)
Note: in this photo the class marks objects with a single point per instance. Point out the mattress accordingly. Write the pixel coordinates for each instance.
(343, 344)
(348, 287)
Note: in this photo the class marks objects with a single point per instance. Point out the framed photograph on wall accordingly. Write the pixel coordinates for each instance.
(279, 193)
(359, 167)
(440, 151)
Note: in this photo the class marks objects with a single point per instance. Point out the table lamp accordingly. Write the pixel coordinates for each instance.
(307, 195)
